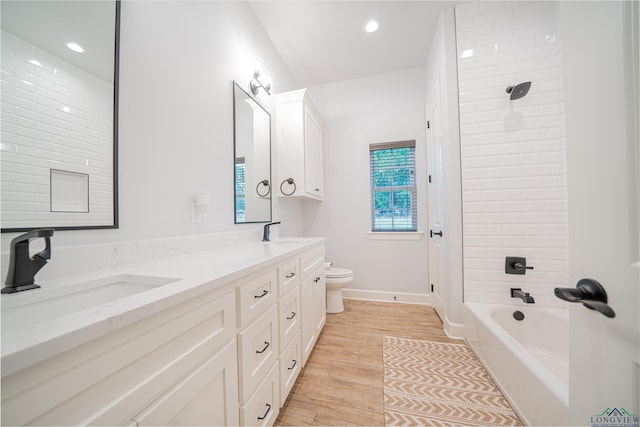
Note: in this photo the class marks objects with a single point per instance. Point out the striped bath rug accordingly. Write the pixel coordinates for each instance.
(439, 384)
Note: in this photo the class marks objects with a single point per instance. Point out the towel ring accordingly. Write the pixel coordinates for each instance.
(289, 181)
(264, 182)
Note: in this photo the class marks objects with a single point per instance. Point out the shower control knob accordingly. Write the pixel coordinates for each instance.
(516, 265)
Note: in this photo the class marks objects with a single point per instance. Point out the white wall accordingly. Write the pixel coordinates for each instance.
(177, 64)
(441, 68)
(514, 176)
(358, 112)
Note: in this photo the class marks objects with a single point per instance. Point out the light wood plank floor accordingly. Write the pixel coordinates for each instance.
(342, 383)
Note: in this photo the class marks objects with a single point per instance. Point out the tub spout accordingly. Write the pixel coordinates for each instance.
(524, 296)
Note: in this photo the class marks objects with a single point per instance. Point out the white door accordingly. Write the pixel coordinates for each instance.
(435, 186)
(602, 158)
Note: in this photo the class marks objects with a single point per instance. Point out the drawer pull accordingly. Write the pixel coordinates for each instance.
(266, 346)
(293, 314)
(266, 413)
(264, 292)
(289, 276)
(294, 364)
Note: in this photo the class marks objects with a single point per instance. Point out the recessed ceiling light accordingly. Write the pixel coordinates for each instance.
(75, 47)
(371, 26)
(35, 62)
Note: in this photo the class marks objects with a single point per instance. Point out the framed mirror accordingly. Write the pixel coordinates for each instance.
(59, 114)
(252, 158)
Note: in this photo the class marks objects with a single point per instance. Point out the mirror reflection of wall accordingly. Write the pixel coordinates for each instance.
(252, 154)
(58, 167)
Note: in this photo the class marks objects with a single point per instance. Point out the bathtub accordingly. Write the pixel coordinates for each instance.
(528, 359)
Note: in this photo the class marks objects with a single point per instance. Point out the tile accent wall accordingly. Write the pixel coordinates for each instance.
(54, 116)
(514, 183)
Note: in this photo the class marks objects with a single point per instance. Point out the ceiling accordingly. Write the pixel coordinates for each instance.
(325, 41)
(49, 25)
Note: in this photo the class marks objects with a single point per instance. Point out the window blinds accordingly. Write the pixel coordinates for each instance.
(393, 186)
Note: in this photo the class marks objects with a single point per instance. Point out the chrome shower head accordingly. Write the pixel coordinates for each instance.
(518, 91)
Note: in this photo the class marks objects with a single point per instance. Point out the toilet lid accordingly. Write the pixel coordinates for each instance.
(338, 272)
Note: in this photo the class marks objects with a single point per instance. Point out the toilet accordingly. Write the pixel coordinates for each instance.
(336, 279)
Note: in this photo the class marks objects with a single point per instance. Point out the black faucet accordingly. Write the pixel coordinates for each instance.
(22, 267)
(524, 296)
(267, 231)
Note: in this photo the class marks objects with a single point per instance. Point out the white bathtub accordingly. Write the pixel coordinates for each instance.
(528, 359)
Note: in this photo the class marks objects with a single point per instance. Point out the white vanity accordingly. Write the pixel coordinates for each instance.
(216, 337)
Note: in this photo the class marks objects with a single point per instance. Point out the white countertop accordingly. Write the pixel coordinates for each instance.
(197, 273)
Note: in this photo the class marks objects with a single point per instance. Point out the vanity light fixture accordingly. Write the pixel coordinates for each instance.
(371, 26)
(255, 83)
(75, 47)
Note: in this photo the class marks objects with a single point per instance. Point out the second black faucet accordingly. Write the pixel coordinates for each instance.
(267, 231)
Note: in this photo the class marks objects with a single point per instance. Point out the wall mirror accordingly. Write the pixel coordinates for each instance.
(59, 114)
(252, 158)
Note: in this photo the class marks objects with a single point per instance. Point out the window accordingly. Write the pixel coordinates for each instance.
(240, 189)
(393, 186)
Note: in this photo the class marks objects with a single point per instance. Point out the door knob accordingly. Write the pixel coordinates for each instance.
(435, 233)
(590, 293)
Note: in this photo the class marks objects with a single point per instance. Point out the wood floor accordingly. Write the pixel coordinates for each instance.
(342, 383)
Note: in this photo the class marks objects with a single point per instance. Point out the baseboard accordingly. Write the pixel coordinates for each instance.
(453, 330)
(386, 296)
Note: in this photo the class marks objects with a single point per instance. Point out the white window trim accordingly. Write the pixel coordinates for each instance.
(395, 235)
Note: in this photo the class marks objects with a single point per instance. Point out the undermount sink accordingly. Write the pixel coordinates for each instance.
(41, 305)
(289, 240)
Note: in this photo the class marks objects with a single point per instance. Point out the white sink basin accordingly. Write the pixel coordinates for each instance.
(44, 304)
(289, 240)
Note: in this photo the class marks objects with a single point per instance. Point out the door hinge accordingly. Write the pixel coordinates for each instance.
(429, 179)
(432, 287)
(428, 124)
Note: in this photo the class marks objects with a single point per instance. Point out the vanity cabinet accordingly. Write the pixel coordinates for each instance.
(228, 356)
(313, 299)
(258, 345)
(142, 373)
(289, 310)
(299, 146)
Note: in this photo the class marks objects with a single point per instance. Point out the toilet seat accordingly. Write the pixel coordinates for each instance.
(338, 273)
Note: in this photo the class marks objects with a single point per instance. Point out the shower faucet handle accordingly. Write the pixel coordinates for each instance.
(516, 265)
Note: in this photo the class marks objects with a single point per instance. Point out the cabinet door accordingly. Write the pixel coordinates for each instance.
(289, 317)
(263, 407)
(208, 396)
(308, 329)
(319, 301)
(313, 156)
(290, 366)
(258, 350)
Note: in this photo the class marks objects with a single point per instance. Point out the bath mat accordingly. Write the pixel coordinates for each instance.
(439, 384)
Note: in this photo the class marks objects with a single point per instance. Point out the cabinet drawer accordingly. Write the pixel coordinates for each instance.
(289, 317)
(205, 397)
(290, 366)
(109, 380)
(311, 260)
(256, 296)
(264, 406)
(258, 349)
(288, 276)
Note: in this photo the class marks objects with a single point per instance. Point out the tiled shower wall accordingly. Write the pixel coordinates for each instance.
(54, 116)
(514, 183)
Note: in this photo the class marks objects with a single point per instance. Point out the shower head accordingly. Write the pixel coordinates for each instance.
(518, 91)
